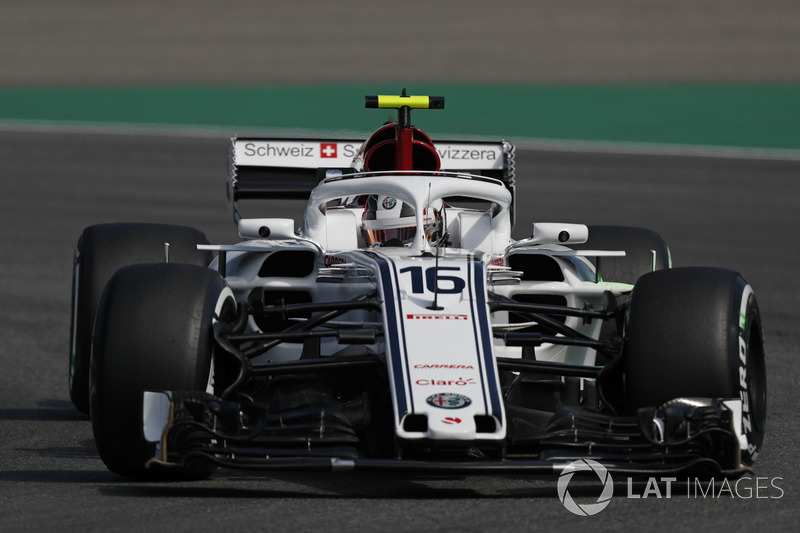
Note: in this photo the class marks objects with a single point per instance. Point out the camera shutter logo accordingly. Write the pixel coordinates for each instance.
(585, 465)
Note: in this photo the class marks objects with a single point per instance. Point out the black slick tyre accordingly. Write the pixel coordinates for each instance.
(696, 332)
(153, 332)
(101, 250)
(645, 251)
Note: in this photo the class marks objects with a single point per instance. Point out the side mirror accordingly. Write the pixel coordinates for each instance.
(267, 228)
(555, 233)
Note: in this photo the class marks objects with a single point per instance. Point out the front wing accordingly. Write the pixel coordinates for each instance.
(685, 436)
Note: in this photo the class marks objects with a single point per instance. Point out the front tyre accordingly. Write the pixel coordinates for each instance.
(101, 250)
(153, 332)
(696, 332)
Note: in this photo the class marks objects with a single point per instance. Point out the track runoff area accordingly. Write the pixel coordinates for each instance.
(752, 121)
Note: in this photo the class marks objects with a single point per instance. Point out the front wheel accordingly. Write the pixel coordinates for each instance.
(101, 250)
(153, 332)
(696, 332)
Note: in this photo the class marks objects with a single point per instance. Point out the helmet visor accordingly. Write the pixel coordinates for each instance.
(390, 236)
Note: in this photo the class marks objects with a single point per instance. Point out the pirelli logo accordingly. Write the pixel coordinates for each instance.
(436, 317)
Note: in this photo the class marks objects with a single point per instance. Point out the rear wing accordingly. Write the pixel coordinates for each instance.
(269, 169)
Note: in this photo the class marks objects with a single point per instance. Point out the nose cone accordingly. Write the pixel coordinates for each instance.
(452, 425)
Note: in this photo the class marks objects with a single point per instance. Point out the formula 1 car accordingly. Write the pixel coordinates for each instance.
(400, 327)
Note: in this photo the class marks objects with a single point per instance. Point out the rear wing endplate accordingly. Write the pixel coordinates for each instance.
(269, 169)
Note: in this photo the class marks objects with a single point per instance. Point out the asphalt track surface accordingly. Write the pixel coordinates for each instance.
(740, 213)
(217, 42)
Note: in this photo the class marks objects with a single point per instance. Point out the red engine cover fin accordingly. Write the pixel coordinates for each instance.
(381, 151)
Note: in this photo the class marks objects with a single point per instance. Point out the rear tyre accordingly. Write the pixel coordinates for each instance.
(101, 250)
(696, 332)
(153, 332)
(645, 251)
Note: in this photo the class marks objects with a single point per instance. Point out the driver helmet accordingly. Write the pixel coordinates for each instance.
(388, 221)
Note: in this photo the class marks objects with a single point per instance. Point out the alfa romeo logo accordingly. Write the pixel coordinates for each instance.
(389, 202)
(448, 400)
(585, 465)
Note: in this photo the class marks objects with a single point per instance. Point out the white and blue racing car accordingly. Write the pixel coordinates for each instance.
(398, 326)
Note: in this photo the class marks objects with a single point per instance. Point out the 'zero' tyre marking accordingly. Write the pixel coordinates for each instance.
(744, 385)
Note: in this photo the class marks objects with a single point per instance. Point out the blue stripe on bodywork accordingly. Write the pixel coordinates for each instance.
(475, 331)
(393, 336)
(403, 336)
(486, 339)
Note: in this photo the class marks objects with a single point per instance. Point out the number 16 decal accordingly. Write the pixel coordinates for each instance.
(452, 284)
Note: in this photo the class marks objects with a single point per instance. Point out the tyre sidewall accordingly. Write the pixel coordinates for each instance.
(696, 332)
(750, 372)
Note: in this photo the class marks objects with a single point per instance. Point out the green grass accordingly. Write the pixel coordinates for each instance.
(758, 116)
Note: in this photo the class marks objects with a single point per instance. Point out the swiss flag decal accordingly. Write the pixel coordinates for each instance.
(327, 150)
